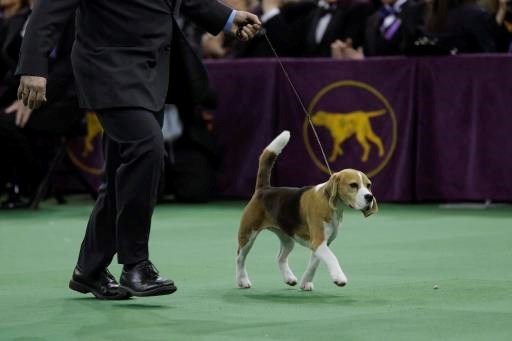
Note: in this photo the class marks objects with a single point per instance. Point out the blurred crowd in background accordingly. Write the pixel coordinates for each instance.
(339, 29)
(355, 29)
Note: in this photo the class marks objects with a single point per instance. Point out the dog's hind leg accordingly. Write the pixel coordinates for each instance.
(287, 245)
(249, 229)
(306, 282)
(244, 246)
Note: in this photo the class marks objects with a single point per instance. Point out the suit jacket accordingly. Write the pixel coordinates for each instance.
(470, 30)
(10, 42)
(10, 39)
(60, 114)
(412, 16)
(123, 49)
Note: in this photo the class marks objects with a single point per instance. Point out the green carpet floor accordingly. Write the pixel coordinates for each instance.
(392, 260)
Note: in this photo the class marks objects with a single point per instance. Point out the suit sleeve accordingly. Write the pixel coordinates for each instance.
(209, 14)
(44, 28)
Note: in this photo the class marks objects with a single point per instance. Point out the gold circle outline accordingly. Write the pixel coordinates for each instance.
(355, 84)
(81, 165)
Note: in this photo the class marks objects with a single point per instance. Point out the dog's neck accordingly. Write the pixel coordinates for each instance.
(338, 211)
(338, 204)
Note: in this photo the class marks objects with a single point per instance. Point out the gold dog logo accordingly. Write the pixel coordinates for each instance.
(343, 126)
(359, 137)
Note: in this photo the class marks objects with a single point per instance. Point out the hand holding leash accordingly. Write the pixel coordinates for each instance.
(246, 25)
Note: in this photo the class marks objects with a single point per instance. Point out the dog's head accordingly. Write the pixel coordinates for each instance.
(320, 118)
(354, 189)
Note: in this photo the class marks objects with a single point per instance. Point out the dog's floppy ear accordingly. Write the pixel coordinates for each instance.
(373, 209)
(332, 190)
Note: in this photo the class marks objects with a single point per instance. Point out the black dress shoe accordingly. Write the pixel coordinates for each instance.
(143, 280)
(103, 285)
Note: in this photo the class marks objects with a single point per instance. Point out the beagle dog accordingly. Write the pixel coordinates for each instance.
(310, 216)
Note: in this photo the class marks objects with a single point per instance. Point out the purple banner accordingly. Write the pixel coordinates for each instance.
(423, 129)
(244, 122)
(464, 146)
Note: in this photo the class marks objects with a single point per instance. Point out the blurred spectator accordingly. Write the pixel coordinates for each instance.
(191, 156)
(394, 28)
(307, 28)
(335, 20)
(20, 128)
(461, 25)
(501, 10)
(14, 14)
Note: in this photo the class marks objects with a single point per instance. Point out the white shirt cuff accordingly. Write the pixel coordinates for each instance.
(270, 14)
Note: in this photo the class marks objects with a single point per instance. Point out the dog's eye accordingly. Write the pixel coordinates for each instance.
(369, 186)
(353, 185)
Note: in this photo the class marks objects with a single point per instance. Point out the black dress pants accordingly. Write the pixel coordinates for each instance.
(121, 219)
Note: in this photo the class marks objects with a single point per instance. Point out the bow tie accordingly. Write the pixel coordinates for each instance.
(327, 8)
(386, 11)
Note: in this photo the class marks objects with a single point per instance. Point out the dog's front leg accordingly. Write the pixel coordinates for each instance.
(327, 256)
(306, 282)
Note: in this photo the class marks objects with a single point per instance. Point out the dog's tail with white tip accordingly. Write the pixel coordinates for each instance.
(268, 157)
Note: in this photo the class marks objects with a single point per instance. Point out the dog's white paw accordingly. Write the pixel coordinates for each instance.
(340, 280)
(307, 286)
(291, 280)
(244, 283)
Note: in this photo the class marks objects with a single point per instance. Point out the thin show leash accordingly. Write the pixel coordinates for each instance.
(299, 99)
(264, 33)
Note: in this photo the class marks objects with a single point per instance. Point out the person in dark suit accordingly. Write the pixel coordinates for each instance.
(336, 20)
(393, 29)
(308, 28)
(20, 128)
(129, 58)
(12, 12)
(11, 27)
(462, 25)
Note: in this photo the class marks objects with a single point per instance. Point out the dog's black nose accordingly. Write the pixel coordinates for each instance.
(368, 197)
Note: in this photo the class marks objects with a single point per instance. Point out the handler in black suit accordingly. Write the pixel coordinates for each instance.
(129, 57)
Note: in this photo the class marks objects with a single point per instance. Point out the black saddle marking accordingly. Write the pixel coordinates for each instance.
(283, 205)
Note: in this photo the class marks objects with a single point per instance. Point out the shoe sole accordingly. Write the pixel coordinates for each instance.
(85, 289)
(163, 290)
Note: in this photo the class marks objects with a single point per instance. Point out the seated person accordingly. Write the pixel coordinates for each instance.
(20, 128)
(394, 28)
(13, 15)
(461, 25)
(306, 28)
